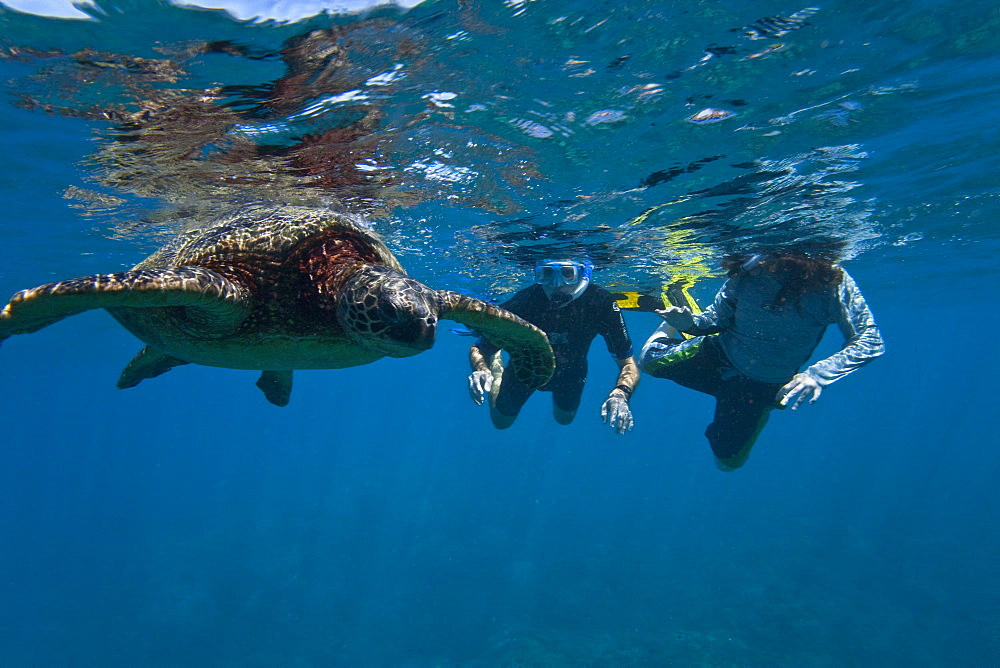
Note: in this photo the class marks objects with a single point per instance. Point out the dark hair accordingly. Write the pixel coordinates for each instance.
(800, 273)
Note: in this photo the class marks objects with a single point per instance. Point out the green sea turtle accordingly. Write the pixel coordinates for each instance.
(275, 288)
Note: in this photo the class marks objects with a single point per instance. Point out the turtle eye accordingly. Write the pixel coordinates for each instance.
(388, 311)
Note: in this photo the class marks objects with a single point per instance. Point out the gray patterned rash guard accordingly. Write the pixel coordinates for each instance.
(771, 343)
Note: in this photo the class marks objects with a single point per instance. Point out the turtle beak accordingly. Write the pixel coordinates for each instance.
(412, 327)
(415, 336)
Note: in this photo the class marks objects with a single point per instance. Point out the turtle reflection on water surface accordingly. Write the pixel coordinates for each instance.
(275, 288)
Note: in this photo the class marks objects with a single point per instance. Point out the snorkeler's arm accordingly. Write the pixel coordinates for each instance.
(719, 315)
(616, 335)
(628, 377)
(862, 340)
(482, 350)
(478, 356)
(615, 411)
(481, 378)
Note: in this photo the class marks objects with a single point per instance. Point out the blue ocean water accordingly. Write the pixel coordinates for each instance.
(379, 519)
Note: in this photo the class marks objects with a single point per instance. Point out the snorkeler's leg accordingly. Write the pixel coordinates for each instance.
(561, 416)
(741, 411)
(500, 420)
(566, 396)
(663, 333)
(506, 403)
(694, 363)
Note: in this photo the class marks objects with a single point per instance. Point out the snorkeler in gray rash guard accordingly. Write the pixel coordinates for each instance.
(746, 349)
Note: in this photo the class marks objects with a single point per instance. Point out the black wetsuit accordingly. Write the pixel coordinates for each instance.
(571, 329)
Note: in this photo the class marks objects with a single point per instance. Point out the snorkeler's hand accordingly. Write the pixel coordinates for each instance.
(615, 412)
(802, 386)
(678, 317)
(480, 383)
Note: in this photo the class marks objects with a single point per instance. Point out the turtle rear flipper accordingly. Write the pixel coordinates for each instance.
(212, 302)
(276, 386)
(527, 345)
(149, 363)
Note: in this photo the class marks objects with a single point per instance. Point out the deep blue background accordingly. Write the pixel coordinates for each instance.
(380, 519)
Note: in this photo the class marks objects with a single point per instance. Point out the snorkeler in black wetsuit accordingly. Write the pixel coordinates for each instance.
(572, 311)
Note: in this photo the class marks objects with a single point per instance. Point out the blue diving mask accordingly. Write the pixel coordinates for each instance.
(563, 280)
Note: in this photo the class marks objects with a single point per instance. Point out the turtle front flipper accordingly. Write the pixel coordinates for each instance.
(149, 363)
(527, 345)
(213, 304)
(276, 386)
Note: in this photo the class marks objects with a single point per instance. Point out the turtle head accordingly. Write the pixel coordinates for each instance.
(386, 311)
